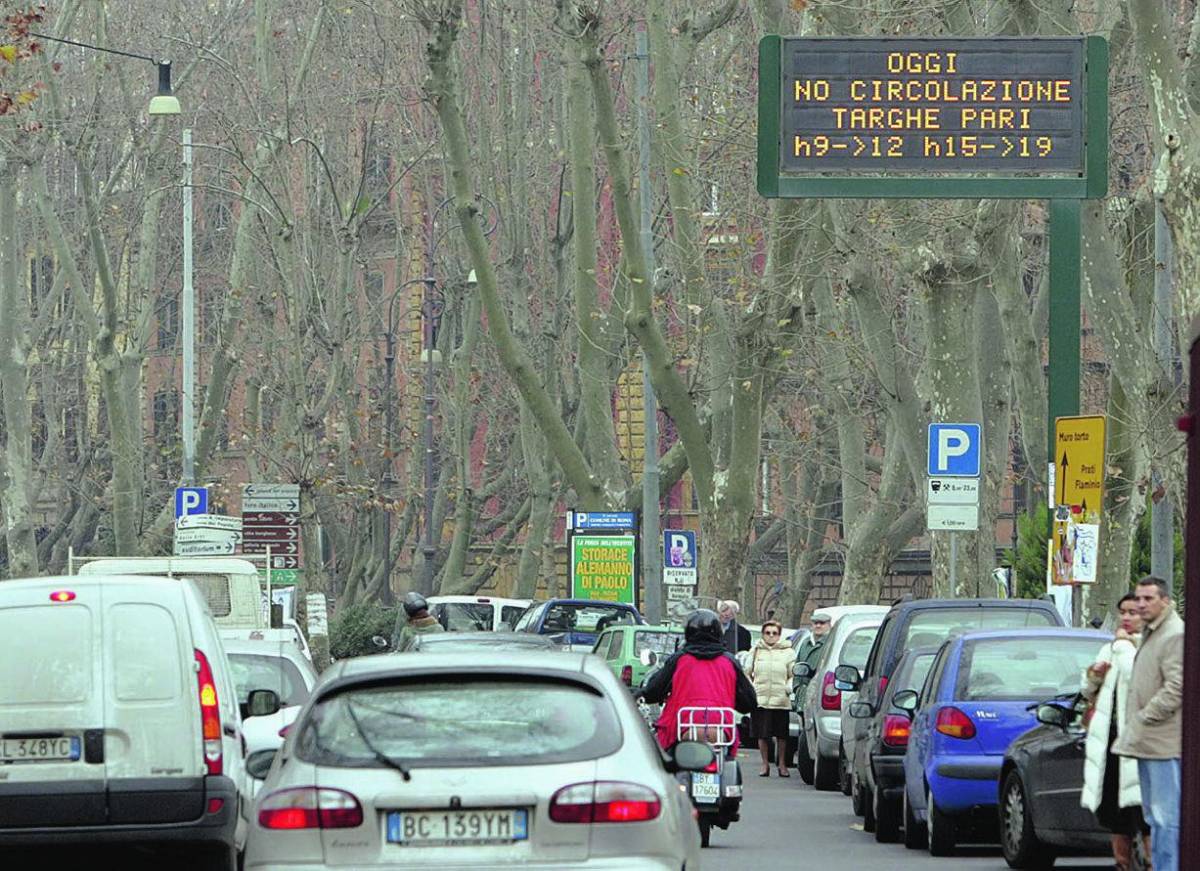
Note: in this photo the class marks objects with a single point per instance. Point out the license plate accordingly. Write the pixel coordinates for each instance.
(706, 787)
(457, 827)
(57, 749)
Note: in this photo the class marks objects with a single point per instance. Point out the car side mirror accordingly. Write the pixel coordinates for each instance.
(262, 703)
(906, 700)
(647, 658)
(803, 670)
(1054, 715)
(861, 710)
(848, 676)
(258, 763)
(691, 756)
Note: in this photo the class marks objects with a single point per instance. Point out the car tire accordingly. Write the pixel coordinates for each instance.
(887, 818)
(1020, 843)
(805, 763)
(705, 832)
(825, 773)
(914, 832)
(843, 771)
(939, 828)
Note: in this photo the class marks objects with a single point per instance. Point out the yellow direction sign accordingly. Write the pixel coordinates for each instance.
(1078, 498)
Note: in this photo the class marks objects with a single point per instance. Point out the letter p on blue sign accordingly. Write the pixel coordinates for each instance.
(954, 450)
(190, 500)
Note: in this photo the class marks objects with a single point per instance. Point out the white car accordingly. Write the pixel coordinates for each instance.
(119, 719)
(477, 613)
(463, 760)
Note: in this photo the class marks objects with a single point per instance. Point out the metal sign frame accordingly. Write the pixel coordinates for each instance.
(774, 183)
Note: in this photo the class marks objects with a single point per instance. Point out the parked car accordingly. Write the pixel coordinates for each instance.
(877, 762)
(1041, 780)
(120, 719)
(622, 646)
(849, 642)
(911, 623)
(525, 758)
(439, 642)
(477, 613)
(577, 621)
(979, 696)
(287, 633)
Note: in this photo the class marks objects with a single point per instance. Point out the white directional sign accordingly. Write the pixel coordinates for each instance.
(289, 504)
(205, 548)
(188, 536)
(277, 491)
(953, 491)
(954, 518)
(209, 521)
(953, 504)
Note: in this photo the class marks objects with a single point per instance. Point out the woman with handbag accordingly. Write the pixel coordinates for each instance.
(771, 674)
(1110, 783)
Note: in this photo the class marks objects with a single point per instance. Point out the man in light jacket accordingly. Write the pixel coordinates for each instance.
(1153, 732)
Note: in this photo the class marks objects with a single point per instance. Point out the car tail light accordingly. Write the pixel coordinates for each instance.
(604, 801)
(210, 714)
(956, 724)
(831, 696)
(310, 807)
(627, 675)
(62, 596)
(896, 730)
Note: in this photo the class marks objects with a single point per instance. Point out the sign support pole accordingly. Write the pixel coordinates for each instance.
(1064, 328)
(953, 565)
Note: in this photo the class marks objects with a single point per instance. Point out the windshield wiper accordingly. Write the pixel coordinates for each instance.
(380, 757)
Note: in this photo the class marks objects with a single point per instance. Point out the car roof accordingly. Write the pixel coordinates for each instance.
(476, 600)
(922, 604)
(474, 661)
(517, 639)
(85, 583)
(1034, 632)
(151, 565)
(280, 647)
(600, 602)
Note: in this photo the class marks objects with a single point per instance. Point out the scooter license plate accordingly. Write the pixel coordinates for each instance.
(706, 787)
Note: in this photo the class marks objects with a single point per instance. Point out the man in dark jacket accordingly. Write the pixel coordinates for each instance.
(420, 621)
(702, 674)
(735, 636)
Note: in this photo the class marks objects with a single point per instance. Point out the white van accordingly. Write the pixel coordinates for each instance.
(230, 586)
(477, 613)
(119, 718)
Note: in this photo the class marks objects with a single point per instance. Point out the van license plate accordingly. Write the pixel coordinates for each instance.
(454, 828)
(706, 787)
(39, 749)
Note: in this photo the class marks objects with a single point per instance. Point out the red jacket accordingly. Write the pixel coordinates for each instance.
(700, 675)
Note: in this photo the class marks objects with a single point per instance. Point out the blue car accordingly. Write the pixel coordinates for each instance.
(975, 701)
(576, 622)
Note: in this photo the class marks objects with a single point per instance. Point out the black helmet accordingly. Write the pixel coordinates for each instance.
(414, 603)
(702, 625)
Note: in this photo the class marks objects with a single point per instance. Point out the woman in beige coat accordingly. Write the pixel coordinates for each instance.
(771, 673)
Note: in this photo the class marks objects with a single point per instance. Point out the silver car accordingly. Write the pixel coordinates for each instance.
(470, 760)
(821, 708)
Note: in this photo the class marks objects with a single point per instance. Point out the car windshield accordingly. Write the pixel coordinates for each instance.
(464, 616)
(584, 618)
(461, 721)
(929, 628)
(510, 614)
(1023, 669)
(659, 642)
(252, 671)
(858, 647)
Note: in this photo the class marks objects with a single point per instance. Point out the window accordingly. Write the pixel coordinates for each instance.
(464, 616)
(529, 619)
(662, 643)
(929, 690)
(858, 645)
(564, 617)
(460, 720)
(1023, 669)
(254, 672)
(168, 322)
(930, 628)
(510, 614)
(212, 304)
(166, 415)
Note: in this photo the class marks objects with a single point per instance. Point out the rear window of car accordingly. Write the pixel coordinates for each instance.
(252, 671)
(464, 616)
(510, 614)
(659, 642)
(584, 618)
(929, 628)
(912, 675)
(858, 645)
(1023, 669)
(214, 589)
(467, 722)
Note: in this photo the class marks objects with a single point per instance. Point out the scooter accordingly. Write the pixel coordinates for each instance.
(716, 792)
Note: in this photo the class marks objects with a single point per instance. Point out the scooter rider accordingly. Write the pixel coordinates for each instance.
(701, 674)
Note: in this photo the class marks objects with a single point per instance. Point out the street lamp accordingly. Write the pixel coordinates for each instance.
(164, 102)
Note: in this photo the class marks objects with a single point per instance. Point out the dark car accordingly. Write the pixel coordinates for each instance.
(576, 622)
(877, 769)
(1041, 780)
(927, 623)
(443, 641)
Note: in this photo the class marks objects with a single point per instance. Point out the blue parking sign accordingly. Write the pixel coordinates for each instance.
(679, 549)
(954, 450)
(190, 500)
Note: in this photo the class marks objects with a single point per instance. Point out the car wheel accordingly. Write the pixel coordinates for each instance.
(705, 831)
(825, 773)
(939, 828)
(857, 791)
(1020, 843)
(914, 832)
(805, 764)
(887, 818)
(843, 770)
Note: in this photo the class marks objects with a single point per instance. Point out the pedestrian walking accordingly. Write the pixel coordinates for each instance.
(1153, 732)
(735, 636)
(771, 674)
(809, 650)
(420, 621)
(1110, 782)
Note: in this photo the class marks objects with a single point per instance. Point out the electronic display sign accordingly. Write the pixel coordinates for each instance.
(917, 106)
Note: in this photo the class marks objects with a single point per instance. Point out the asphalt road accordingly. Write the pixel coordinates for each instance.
(783, 820)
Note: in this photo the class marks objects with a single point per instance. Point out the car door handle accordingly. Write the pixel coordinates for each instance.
(230, 730)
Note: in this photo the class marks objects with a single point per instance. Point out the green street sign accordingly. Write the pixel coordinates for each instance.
(604, 567)
(280, 577)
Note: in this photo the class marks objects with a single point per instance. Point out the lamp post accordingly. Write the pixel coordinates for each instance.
(432, 306)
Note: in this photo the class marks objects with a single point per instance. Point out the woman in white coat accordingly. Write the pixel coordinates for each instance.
(1110, 783)
(771, 673)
